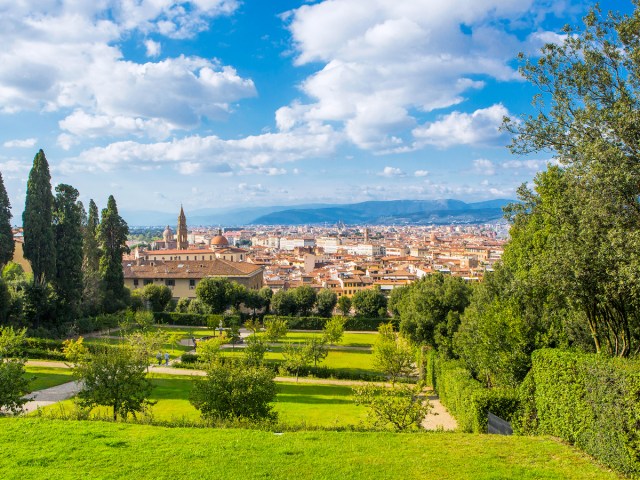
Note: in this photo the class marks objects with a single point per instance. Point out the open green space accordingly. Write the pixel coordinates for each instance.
(349, 339)
(296, 404)
(45, 449)
(46, 377)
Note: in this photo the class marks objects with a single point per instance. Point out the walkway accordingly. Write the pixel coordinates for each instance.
(49, 396)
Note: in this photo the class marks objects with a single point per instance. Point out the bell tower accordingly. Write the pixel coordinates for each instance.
(182, 241)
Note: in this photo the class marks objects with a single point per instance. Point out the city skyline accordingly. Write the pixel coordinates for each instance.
(222, 103)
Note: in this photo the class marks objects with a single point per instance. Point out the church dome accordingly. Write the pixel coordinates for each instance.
(219, 240)
(167, 235)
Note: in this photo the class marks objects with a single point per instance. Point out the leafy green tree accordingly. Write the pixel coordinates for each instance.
(112, 238)
(67, 224)
(317, 349)
(334, 330)
(326, 302)
(392, 354)
(6, 234)
(39, 243)
(344, 305)
(198, 306)
(253, 300)
(369, 303)
(14, 385)
(235, 391)
(296, 357)
(265, 294)
(215, 293)
(284, 303)
(424, 308)
(38, 305)
(275, 329)
(255, 349)
(158, 297)
(114, 377)
(305, 299)
(6, 301)
(587, 212)
(183, 305)
(13, 272)
(209, 351)
(402, 406)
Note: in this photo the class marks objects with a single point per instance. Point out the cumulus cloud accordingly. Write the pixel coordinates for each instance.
(189, 155)
(26, 143)
(531, 165)
(385, 60)
(481, 127)
(421, 173)
(483, 166)
(66, 55)
(392, 172)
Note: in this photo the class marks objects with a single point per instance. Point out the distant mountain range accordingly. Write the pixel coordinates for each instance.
(410, 212)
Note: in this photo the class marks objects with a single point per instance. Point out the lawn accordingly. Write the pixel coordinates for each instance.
(45, 449)
(348, 339)
(321, 405)
(46, 377)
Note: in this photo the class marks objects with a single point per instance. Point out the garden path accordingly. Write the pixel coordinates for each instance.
(49, 396)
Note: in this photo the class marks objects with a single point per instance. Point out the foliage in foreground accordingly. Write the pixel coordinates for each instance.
(235, 390)
(587, 400)
(402, 406)
(13, 383)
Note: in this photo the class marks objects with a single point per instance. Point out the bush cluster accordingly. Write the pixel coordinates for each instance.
(588, 400)
(468, 400)
(318, 323)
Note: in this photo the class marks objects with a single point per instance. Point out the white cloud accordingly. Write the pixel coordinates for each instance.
(531, 165)
(392, 172)
(26, 143)
(386, 59)
(483, 166)
(66, 55)
(189, 155)
(421, 173)
(251, 189)
(153, 48)
(481, 127)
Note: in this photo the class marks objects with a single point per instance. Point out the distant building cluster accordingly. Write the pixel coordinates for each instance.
(345, 259)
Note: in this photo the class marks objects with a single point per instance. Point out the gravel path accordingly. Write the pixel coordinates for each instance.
(438, 417)
(49, 396)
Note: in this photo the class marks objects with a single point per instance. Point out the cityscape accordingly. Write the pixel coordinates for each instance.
(320, 239)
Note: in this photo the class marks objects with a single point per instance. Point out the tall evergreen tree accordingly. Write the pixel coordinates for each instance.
(67, 221)
(6, 235)
(112, 237)
(39, 246)
(91, 250)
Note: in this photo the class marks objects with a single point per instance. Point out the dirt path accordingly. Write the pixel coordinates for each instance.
(438, 417)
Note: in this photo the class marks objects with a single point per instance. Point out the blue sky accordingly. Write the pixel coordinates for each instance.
(229, 103)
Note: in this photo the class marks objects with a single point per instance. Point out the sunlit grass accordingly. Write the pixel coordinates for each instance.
(46, 377)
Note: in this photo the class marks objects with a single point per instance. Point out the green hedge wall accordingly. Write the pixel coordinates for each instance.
(196, 319)
(468, 400)
(317, 323)
(588, 400)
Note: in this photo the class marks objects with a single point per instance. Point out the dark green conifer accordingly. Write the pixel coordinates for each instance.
(112, 238)
(39, 246)
(6, 235)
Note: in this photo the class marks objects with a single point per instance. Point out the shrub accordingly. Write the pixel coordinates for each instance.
(588, 400)
(195, 319)
(468, 400)
(318, 323)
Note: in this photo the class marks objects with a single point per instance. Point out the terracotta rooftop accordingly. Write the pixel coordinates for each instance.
(188, 269)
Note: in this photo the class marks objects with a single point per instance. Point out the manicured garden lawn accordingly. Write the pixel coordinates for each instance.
(46, 449)
(349, 339)
(46, 377)
(174, 350)
(314, 405)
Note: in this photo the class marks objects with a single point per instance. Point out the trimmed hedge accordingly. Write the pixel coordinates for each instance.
(318, 323)
(196, 319)
(588, 400)
(468, 400)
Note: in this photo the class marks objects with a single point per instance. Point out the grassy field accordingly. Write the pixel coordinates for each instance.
(349, 339)
(45, 449)
(45, 377)
(314, 405)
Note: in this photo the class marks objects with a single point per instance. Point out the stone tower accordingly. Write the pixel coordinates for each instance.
(182, 241)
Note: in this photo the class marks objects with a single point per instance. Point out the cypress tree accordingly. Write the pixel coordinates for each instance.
(6, 235)
(112, 237)
(39, 247)
(67, 221)
(91, 251)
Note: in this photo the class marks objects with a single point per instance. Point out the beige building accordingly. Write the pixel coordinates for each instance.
(182, 276)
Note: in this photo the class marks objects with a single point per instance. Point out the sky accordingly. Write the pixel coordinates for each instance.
(238, 103)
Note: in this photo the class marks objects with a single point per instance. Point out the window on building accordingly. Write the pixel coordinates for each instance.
(192, 284)
(135, 282)
(148, 281)
(170, 282)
